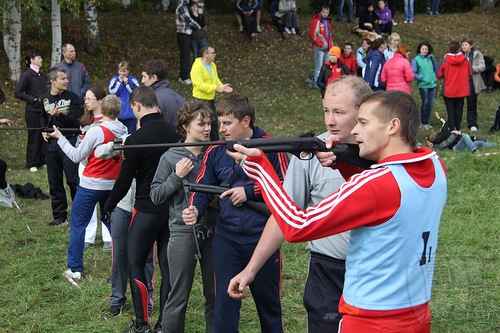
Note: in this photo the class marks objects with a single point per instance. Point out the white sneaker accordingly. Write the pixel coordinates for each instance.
(293, 31)
(287, 30)
(33, 169)
(259, 28)
(473, 129)
(188, 82)
(72, 277)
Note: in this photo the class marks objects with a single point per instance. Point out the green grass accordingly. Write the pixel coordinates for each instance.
(35, 297)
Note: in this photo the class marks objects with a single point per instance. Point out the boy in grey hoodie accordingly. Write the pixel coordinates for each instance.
(176, 166)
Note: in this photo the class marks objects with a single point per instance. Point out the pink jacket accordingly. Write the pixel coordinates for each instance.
(397, 74)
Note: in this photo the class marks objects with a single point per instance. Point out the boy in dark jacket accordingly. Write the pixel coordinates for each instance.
(238, 227)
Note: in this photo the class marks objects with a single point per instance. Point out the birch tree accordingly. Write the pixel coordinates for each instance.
(92, 25)
(56, 32)
(12, 27)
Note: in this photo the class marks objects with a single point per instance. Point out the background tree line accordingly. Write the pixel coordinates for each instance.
(15, 12)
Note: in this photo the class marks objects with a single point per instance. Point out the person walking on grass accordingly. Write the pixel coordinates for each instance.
(32, 86)
(97, 179)
(425, 68)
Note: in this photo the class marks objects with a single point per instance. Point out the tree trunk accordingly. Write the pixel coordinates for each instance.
(12, 36)
(56, 32)
(126, 3)
(92, 26)
(487, 4)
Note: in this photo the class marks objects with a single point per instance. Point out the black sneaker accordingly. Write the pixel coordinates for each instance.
(134, 328)
(116, 310)
(158, 328)
(58, 221)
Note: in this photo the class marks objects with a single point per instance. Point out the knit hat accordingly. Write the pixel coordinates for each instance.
(335, 51)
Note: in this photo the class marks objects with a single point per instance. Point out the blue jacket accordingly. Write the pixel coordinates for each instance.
(240, 224)
(123, 91)
(375, 61)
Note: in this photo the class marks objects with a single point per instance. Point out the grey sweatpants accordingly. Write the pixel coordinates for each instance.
(182, 262)
(120, 220)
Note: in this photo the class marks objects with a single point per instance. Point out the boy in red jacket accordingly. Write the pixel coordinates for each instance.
(347, 58)
(455, 72)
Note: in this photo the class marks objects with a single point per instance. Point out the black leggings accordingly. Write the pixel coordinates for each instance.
(145, 229)
(3, 170)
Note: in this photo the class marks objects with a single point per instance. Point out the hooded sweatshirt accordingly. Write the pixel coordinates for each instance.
(455, 71)
(168, 187)
(168, 100)
(99, 174)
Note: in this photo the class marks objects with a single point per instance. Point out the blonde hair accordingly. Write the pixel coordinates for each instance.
(110, 106)
(123, 65)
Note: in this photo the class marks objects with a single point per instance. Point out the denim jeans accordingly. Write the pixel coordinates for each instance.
(320, 56)
(466, 143)
(81, 212)
(197, 45)
(435, 6)
(427, 96)
(349, 8)
(409, 10)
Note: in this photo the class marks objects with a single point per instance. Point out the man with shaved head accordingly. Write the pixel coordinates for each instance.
(79, 80)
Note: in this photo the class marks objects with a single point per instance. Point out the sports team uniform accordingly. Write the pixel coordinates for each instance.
(393, 211)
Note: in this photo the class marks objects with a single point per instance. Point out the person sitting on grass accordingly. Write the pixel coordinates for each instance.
(287, 10)
(384, 18)
(456, 140)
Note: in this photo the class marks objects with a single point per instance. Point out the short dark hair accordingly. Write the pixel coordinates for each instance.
(32, 54)
(397, 104)
(156, 67)
(54, 70)
(429, 46)
(453, 46)
(377, 43)
(145, 96)
(238, 106)
(189, 111)
(468, 40)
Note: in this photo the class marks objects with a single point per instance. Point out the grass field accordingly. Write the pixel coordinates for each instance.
(35, 297)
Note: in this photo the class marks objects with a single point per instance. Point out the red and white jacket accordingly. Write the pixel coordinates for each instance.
(367, 199)
(99, 174)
